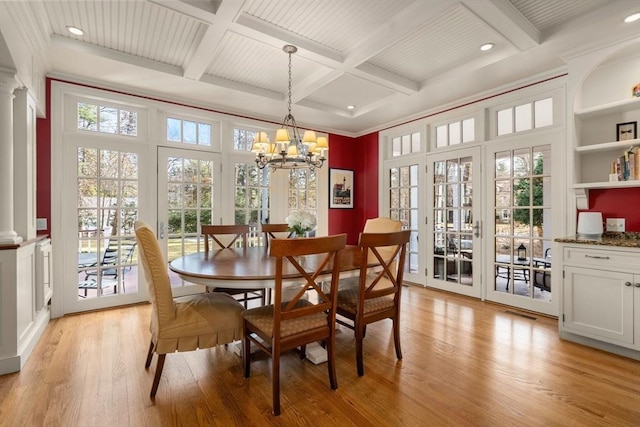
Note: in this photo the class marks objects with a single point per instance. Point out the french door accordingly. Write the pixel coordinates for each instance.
(453, 220)
(100, 255)
(189, 195)
(519, 221)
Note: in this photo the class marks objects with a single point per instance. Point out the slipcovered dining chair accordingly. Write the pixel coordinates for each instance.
(227, 237)
(184, 323)
(307, 317)
(377, 295)
(381, 225)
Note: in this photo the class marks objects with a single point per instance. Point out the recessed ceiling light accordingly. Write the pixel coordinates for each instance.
(75, 30)
(350, 107)
(487, 46)
(632, 18)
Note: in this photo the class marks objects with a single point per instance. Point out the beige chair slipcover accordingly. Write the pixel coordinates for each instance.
(184, 323)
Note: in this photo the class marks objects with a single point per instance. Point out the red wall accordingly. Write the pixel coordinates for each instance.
(43, 164)
(355, 154)
(617, 203)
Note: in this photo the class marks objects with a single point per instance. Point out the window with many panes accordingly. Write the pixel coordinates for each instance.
(107, 119)
(303, 191)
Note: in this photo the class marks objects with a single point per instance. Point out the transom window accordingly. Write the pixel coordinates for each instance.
(188, 132)
(523, 117)
(405, 144)
(455, 133)
(107, 119)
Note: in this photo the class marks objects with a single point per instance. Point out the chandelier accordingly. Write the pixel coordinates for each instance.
(289, 150)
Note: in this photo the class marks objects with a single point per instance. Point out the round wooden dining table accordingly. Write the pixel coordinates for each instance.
(253, 267)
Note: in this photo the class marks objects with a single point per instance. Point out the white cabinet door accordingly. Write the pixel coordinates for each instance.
(599, 304)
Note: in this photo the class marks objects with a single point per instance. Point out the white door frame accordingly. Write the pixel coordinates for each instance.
(554, 138)
(66, 233)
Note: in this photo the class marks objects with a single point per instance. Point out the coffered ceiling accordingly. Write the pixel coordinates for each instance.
(393, 60)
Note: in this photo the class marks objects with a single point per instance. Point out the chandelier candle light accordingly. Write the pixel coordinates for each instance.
(289, 150)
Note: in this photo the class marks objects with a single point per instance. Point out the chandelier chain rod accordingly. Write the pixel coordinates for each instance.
(289, 94)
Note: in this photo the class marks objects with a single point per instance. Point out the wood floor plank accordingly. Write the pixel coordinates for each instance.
(466, 363)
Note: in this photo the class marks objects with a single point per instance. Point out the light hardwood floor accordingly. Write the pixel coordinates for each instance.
(466, 363)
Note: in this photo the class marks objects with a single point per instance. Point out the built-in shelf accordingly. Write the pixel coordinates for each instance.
(608, 184)
(610, 108)
(605, 146)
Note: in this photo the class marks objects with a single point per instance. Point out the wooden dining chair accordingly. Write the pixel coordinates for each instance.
(376, 295)
(307, 317)
(275, 231)
(184, 323)
(227, 237)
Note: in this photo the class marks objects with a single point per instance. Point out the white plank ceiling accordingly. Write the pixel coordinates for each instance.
(394, 59)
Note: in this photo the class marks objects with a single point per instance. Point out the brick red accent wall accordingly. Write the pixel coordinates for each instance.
(43, 164)
(617, 203)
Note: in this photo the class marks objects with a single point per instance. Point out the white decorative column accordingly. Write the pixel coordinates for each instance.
(8, 83)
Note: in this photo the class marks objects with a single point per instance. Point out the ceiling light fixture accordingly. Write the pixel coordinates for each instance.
(632, 18)
(289, 151)
(487, 46)
(350, 107)
(75, 30)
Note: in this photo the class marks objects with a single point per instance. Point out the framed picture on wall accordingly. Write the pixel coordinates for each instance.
(340, 188)
(626, 131)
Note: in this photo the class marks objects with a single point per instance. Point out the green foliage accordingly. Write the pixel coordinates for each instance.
(522, 191)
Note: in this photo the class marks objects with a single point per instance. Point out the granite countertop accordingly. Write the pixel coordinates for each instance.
(626, 240)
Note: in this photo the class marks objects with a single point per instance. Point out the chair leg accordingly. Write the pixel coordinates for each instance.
(396, 335)
(275, 381)
(246, 353)
(156, 378)
(149, 356)
(331, 366)
(303, 351)
(359, 350)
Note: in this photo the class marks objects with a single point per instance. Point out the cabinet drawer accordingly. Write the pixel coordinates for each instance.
(627, 261)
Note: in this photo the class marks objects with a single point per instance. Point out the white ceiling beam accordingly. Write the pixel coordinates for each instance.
(266, 32)
(115, 55)
(502, 16)
(229, 84)
(227, 12)
(385, 78)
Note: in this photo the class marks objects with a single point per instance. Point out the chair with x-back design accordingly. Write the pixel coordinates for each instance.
(376, 294)
(228, 237)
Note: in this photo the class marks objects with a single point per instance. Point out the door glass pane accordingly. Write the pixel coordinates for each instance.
(522, 223)
(453, 243)
(190, 203)
(107, 201)
(403, 206)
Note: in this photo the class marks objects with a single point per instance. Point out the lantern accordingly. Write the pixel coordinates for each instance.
(522, 252)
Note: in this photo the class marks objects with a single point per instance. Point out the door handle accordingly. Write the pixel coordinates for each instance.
(476, 229)
(161, 230)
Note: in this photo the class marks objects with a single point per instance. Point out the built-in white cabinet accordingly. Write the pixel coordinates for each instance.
(601, 296)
